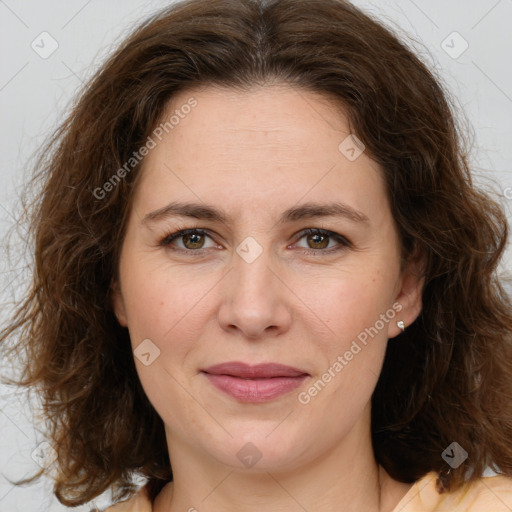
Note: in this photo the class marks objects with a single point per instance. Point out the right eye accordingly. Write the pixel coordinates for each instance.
(192, 240)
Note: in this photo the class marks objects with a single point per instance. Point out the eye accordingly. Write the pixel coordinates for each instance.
(319, 240)
(191, 240)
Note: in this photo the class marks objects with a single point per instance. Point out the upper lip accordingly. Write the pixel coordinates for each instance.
(258, 371)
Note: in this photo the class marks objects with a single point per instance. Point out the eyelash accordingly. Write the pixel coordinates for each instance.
(344, 242)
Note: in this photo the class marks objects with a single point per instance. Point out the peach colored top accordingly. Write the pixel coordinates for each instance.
(488, 494)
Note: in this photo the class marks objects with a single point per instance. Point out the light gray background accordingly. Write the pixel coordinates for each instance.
(35, 92)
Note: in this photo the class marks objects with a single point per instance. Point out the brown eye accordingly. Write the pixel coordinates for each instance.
(193, 240)
(322, 241)
(187, 240)
(318, 241)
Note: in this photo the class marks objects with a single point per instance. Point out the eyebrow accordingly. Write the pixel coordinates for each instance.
(293, 214)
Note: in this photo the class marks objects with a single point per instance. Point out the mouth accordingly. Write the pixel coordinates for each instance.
(254, 384)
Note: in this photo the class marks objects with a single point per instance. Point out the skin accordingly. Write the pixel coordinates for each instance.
(255, 154)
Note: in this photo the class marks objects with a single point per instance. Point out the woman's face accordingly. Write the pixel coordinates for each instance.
(252, 171)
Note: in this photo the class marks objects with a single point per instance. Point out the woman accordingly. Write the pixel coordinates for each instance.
(264, 279)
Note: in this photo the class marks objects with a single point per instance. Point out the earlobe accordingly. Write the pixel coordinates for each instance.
(409, 297)
(118, 303)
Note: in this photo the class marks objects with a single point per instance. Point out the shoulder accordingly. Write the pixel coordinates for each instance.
(483, 495)
(138, 503)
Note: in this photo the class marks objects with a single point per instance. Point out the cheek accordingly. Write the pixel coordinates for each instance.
(171, 317)
(354, 345)
(351, 301)
(160, 298)
(147, 306)
(352, 305)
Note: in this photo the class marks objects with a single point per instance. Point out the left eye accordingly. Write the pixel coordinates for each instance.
(318, 239)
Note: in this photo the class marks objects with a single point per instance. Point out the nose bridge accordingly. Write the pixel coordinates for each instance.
(253, 298)
(251, 272)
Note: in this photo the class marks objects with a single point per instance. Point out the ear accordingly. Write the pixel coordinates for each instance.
(408, 302)
(118, 303)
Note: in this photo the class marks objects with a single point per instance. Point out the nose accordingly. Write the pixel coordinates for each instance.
(255, 299)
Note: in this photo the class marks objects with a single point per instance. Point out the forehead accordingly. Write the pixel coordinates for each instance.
(278, 115)
(267, 144)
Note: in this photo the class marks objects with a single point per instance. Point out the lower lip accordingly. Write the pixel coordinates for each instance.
(255, 390)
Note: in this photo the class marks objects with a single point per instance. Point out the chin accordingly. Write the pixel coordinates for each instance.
(259, 447)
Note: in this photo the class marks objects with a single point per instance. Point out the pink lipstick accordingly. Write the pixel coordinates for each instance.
(255, 384)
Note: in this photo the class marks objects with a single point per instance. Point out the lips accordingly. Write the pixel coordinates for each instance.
(254, 384)
(259, 371)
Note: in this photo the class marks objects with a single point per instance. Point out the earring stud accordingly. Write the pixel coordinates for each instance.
(401, 324)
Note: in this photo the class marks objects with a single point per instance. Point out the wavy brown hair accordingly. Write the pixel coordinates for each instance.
(447, 378)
